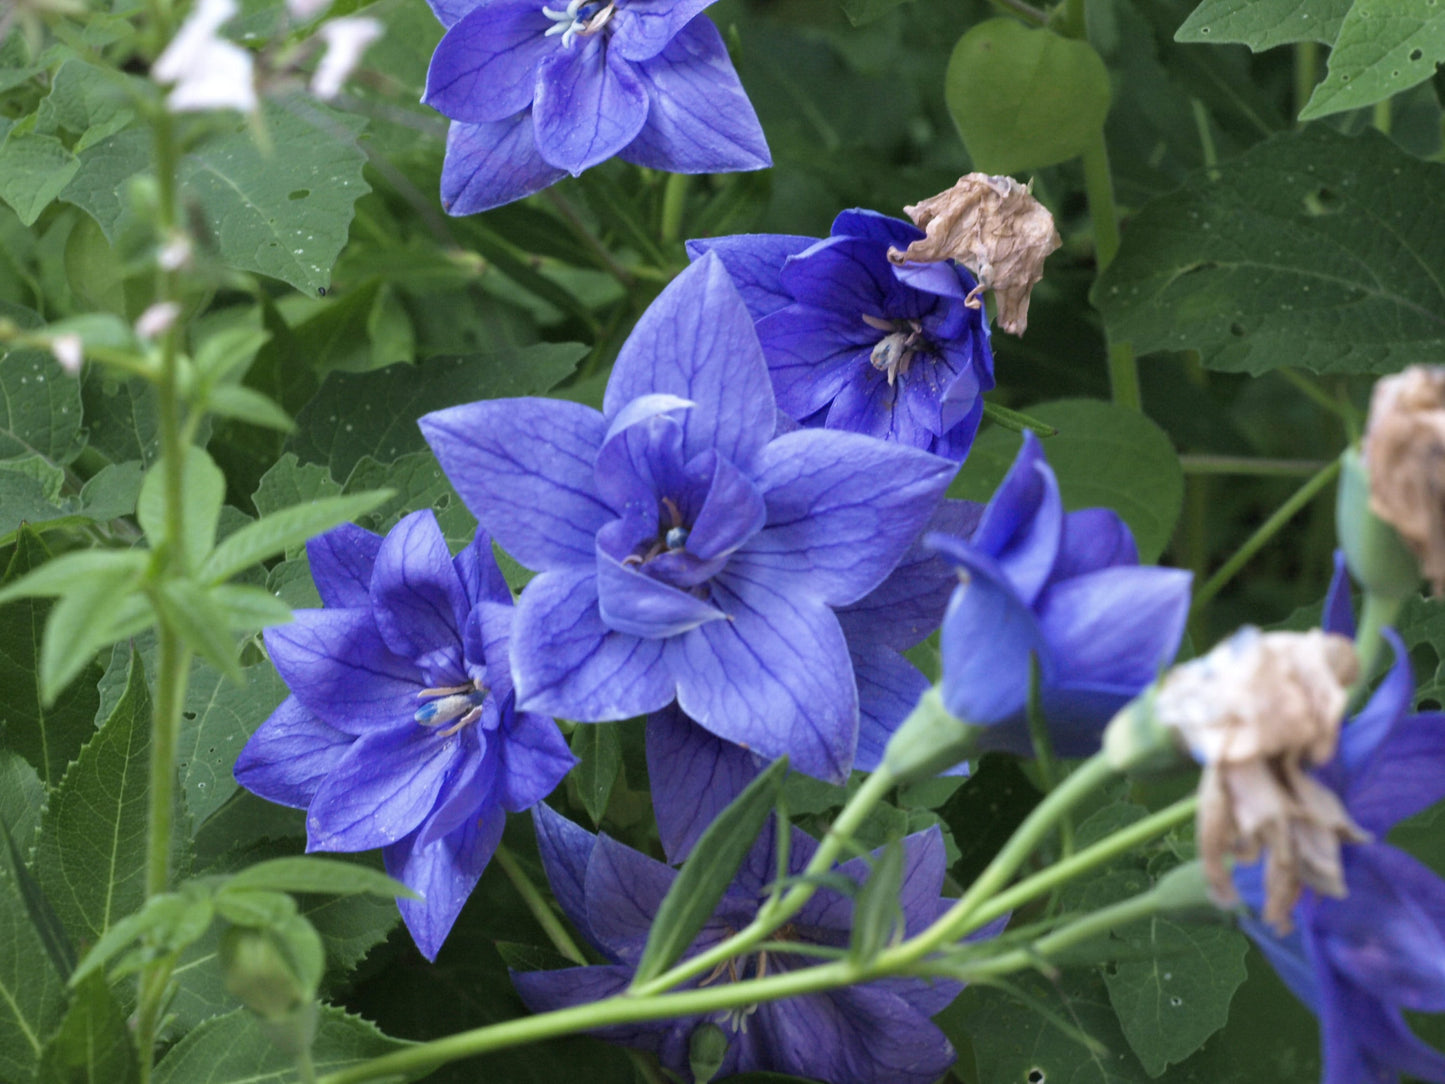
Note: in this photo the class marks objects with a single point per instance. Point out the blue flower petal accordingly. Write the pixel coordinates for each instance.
(493, 163)
(754, 261)
(1093, 539)
(589, 104)
(624, 890)
(888, 690)
(290, 755)
(417, 598)
(632, 602)
(694, 775)
(534, 759)
(643, 28)
(444, 873)
(341, 563)
(565, 849)
(1022, 527)
(485, 67)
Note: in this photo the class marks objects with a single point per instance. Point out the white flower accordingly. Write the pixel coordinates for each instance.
(157, 320)
(175, 253)
(304, 11)
(208, 71)
(346, 40)
(69, 350)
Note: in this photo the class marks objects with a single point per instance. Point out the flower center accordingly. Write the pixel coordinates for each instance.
(580, 19)
(672, 537)
(737, 968)
(442, 705)
(894, 353)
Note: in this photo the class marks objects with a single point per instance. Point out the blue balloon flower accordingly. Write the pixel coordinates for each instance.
(1065, 588)
(401, 730)
(537, 91)
(686, 551)
(855, 342)
(878, 1033)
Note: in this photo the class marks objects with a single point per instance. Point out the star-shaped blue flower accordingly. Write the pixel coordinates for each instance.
(879, 1033)
(1065, 588)
(537, 90)
(401, 730)
(855, 342)
(1361, 961)
(685, 551)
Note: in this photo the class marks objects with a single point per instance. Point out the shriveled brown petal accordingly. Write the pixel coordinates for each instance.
(995, 228)
(1404, 451)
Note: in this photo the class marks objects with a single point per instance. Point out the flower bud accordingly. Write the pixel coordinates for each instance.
(257, 972)
(929, 741)
(1377, 556)
(69, 350)
(1404, 454)
(1257, 712)
(995, 228)
(707, 1046)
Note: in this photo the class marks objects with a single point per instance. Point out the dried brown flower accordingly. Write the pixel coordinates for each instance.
(995, 228)
(1404, 451)
(1259, 711)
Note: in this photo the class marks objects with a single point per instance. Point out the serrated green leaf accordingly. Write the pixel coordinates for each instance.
(358, 414)
(310, 873)
(32, 994)
(39, 407)
(29, 495)
(279, 531)
(48, 736)
(705, 876)
(93, 1045)
(877, 914)
(1103, 455)
(219, 716)
(1176, 992)
(417, 482)
(1313, 250)
(1024, 97)
(42, 914)
(232, 1049)
(22, 796)
(599, 757)
(283, 213)
(91, 854)
(203, 489)
(34, 169)
(288, 483)
(1263, 24)
(1383, 47)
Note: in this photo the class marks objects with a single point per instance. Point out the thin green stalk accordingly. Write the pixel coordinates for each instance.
(1044, 758)
(1306, 72)
(1243, 464)
(538, 906)
(1099, 187)
(1321, 398)
(1206, 136)
(674, 203)
(587, 237)
(173, 452)
(1267, 530)
(1015, 420)
(779, 909)
(150, 1002)
(1037, 16)
(1381, 117)
(1071, 18)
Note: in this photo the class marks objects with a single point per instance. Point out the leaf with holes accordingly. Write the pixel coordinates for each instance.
(1312, 250)
(1263, 24)
(1384, 47)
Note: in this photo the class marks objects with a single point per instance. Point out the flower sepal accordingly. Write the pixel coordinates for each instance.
(1137, 743)
(931, 740)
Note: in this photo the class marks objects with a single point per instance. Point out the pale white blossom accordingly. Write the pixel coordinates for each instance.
(157, 320)
(208, 72)
(175, 253)
(346, 40)
(304, 11)
(69, 350)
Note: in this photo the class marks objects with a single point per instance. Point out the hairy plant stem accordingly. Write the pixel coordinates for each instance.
(1252, 545)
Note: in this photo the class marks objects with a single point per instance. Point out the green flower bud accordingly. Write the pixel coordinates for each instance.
(706, 1049)
(258, 972)
(1378, 558)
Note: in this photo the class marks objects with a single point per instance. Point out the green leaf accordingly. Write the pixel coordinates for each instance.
(280, 531)
(219, 716)
(709, 870)
(59, 575)
(34, 170)
(39, 407)
(196, 613)
(42, 914)
(247, 405)
(22, 795)
(599, 756)
(1313, 250)
(122, 418)
(203, 489)
(860, 13)
(255, 907)
(287, 484)
(877, 914)
(99, 185)
(1172, 990)
(28, 495)
(1024, 97)
(1263, 24)
(417, 481)
(1384, 47)
(1104, 455)
(93, 613)
(93, 1045)
(233, 1049)
(283, 212)
(166, 923)
(91, 855)
(32, 994)
(322, 875)
(48, 735)
(357, 414)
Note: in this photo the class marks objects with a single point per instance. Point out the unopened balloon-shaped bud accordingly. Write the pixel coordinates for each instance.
(261, 970)
(1404, 455)
(1258, 712)
(707, 1046)
(995, 228)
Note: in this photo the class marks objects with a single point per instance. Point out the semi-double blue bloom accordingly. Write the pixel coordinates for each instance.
(878, 1033)
(855, 342)
(401, 730)
(1361, 961)
(685, 550)
(537, 89)
(1066, 589)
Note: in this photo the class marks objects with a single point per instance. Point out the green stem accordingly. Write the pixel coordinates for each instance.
(1321, 398)
(173, 452)
(1306, 72)
(151, 1000)
(1267, 530)
(1016, 420)
(1381, 116)
(538, 906)
(1099, 187)
(1037, 16)
(1242, 464)
(779, 909)
(674, 203)
(587, 237)
(1071, 19)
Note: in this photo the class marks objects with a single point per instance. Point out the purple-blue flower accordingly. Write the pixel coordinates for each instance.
(879, 1033)
(401, 730)
(1361, 961)
(1065, 588)
(855, 342)
(537, 89)
(685, 550)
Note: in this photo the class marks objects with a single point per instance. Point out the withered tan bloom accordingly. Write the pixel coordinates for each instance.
(1404, 451)
(1258, 712)
(995, 228)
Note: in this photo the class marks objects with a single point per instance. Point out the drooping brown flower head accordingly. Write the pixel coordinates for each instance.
(1404, 450)
(1258, 712)
(995, 228)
